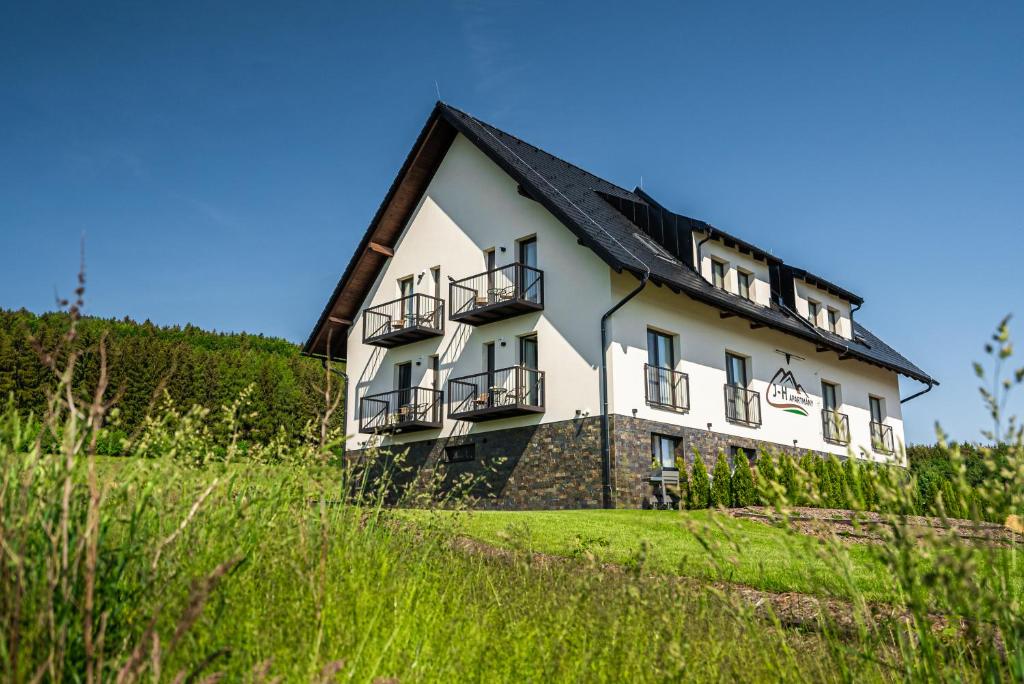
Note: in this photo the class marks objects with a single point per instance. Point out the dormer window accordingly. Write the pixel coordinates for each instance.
(833, 320)
(743, 283)
(718, 274)
(813, 308)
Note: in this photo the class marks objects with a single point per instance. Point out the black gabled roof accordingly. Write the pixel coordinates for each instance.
(592, 208)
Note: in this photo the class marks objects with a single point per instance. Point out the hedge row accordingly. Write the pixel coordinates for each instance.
(828, 483)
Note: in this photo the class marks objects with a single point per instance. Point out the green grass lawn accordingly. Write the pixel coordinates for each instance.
(699, 544)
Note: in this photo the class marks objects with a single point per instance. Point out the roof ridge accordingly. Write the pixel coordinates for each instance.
(540, 150)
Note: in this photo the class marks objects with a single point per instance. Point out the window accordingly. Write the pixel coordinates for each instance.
(460, 453)
(529, 376)
(406, 289)
(665, 388)
(877, 410)
(829, 396)
(490, 264)
(435, 275)
(403, 383)
(735, 370)
(660, 350)
(663, 451)
(735, 453)
(528, 279)
(718, 274)
(813, 308)
(528, 252)
(833, 320)
(489, 366)
(743, 281)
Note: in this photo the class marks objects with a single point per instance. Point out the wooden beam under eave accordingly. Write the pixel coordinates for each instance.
(821, 349)
(339, 321)
(756, 326)
(725, 314)
(381, 249)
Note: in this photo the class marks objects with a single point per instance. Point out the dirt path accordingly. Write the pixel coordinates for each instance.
(792, 609)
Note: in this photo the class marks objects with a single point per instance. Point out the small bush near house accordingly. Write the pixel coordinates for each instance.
(744, 492)
(700, 485)
(721, 483)
(767, 473)
(684, 486)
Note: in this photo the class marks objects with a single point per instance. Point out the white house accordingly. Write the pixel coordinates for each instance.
(572, 342)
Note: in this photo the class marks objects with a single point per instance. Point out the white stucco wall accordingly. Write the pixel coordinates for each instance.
(760, 288)
(826, 300)
(471, 205)
(701, 343)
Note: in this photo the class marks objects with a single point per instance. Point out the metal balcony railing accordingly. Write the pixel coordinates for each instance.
(742, 406)
(403, 320)
(667, 389)
(402, 410)
(881, 438)
(499, 293)
(835, 427)
(516, 390)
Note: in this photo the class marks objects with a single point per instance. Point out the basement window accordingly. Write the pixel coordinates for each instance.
(460, 453)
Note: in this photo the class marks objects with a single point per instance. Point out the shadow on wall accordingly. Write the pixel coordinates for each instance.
(437, 470)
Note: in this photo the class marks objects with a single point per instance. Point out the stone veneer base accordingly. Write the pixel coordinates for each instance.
(558, 465)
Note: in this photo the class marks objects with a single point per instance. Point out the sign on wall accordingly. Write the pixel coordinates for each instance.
(786, 394)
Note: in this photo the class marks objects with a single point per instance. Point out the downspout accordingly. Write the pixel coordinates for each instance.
(854, 310)
(606, 456)
(698, 267)
(915, 396)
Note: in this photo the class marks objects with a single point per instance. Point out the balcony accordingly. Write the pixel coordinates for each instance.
(506, 392)
(666, 389)
(404, 320)
(404, 410)
(742, 406)
(881, 438)
(835, 427)
(496, 294)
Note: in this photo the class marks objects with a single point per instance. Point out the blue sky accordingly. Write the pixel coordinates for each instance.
(223, 159)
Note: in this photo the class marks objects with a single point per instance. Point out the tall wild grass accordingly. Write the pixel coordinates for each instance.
(191, 561)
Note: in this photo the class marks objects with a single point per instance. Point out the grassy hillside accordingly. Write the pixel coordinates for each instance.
(703, 544)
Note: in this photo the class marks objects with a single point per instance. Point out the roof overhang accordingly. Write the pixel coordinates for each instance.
(378, 243)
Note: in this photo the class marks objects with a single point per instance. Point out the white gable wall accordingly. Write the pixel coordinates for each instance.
(760, 289)
(472, 205)
(702, 339)
(805, 291)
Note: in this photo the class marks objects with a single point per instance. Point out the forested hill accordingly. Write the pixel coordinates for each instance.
(194, 365)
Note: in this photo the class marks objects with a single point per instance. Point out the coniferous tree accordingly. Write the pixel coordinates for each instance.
(835, 495)
(951, 500)
(684, 488)
(700, 486)
(743, 489)
(193, 366)
(767, 478)
(788, 479)
(721, 483)
(851, 475)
